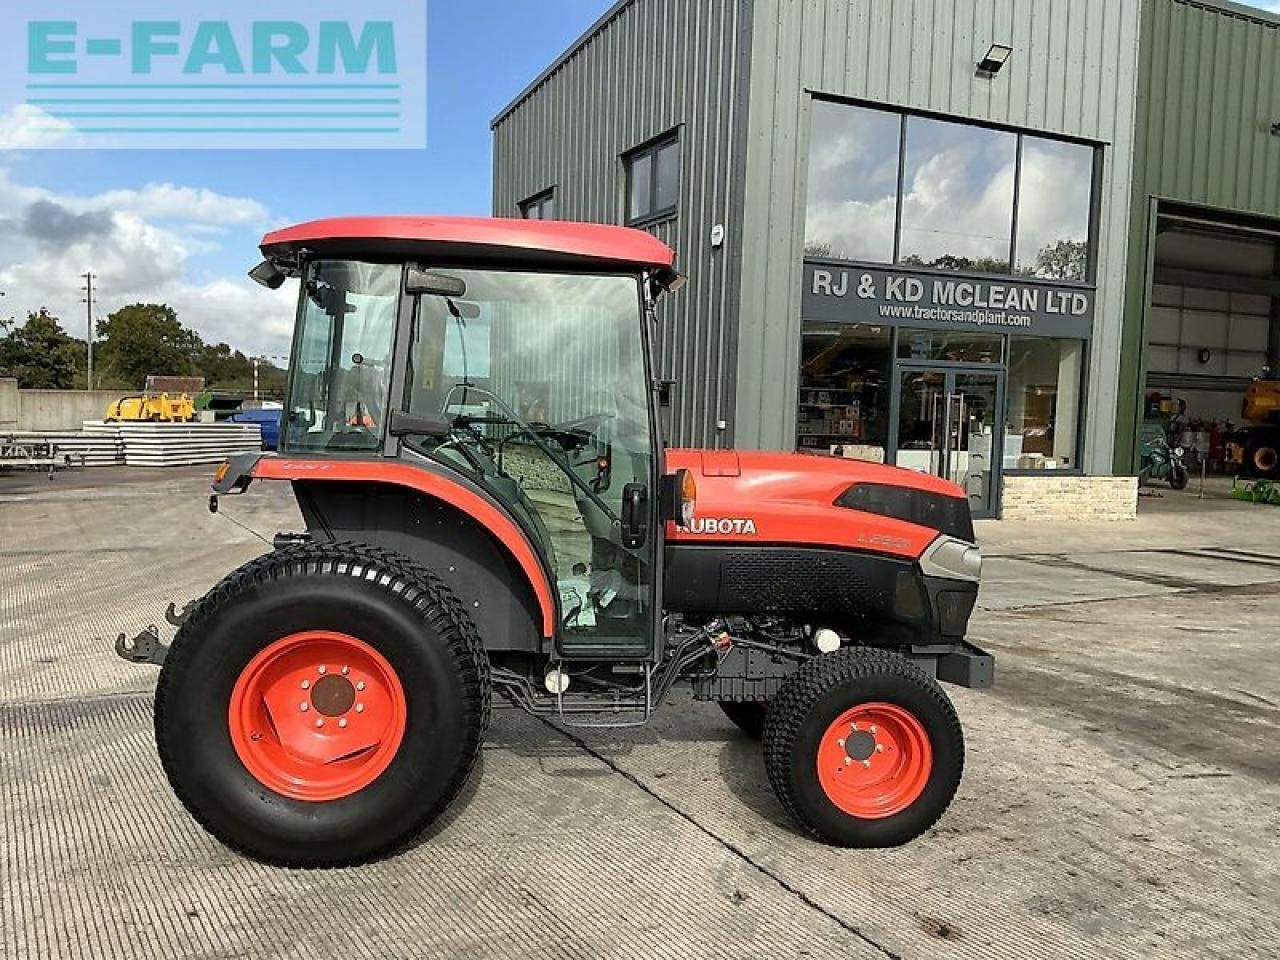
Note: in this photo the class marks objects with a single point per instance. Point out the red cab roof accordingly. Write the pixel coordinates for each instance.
(490, 238)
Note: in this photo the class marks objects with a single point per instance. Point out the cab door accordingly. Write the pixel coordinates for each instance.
(547, 376)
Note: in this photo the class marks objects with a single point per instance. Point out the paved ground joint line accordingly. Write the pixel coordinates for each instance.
(726, 844)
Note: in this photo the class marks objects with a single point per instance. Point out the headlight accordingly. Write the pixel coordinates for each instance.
(688, 497)
(952, 559)
(678, 495)
(1179, 451)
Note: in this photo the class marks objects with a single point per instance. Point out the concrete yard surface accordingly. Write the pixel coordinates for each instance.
(1121, 795)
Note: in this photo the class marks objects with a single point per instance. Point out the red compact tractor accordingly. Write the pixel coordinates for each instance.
(471, 433)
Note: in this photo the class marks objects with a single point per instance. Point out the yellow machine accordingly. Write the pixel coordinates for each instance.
(1255, 450)
(153, 408)
(1262, 402)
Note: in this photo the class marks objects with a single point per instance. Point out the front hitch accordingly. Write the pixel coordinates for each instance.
(144, 648)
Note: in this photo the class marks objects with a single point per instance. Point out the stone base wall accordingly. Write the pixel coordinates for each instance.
(1070, 498)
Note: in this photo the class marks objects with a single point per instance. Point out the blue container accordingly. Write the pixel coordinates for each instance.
(268, 422)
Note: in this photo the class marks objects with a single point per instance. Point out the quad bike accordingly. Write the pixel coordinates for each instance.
(471, 434)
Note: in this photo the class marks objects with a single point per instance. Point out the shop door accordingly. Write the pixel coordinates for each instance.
(947, 424)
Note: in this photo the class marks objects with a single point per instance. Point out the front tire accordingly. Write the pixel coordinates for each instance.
(322, 705)
(863, 748)
(1178, 477)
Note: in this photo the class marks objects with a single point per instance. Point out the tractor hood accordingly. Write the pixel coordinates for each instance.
(805, 500)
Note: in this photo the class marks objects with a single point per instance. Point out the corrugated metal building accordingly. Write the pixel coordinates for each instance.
(906, 223)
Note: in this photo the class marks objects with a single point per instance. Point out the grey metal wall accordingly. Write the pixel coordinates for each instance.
(649, 66)
(1073, 72)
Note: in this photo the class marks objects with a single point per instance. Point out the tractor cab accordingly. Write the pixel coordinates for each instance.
(510, 357)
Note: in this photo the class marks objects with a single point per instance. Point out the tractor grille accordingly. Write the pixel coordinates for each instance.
(778, 581)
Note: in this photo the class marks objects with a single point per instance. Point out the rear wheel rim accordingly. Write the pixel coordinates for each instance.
(317, 715)
(1265, 459)
(874, 760)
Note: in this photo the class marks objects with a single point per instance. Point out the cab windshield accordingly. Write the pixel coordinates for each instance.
(341, 380)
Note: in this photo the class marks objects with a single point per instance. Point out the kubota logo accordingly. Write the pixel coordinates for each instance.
(723, 526)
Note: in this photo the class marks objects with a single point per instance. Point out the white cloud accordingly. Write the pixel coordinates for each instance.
(164, 201)
(26, 126)
(139, 245)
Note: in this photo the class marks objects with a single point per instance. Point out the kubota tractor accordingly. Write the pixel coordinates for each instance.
(471, 433)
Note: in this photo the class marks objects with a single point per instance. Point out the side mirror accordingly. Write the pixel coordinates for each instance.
(403, 424)
(419, 281)
(635, 510)
(678, 498)
(267, 274)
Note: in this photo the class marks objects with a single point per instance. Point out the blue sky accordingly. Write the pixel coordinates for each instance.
(215, 204)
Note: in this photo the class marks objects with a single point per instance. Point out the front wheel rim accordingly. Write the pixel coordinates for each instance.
(874, 760)
(317, 715)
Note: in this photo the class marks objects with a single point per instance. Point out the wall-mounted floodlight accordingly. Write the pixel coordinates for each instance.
(995, 58)
(1275, 129)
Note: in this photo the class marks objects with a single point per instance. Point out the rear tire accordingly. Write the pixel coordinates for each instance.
(747, 716)
(230, 748)
(863, 748)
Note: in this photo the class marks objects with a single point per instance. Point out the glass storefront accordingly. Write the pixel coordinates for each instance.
(947, 306)
(969, 407)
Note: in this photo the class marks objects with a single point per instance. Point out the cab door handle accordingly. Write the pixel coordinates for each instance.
(634, 519)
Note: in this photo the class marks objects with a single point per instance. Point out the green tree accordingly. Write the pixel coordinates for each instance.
(1063, 260)
(145, 339)
(39, 353)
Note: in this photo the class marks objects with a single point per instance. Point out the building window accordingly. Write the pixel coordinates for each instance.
(845, 389)
(1045, 382)
(957, 201)
(1055, 199)
(653, 180)
(888, 187)
(853, 183)
(540, 207)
